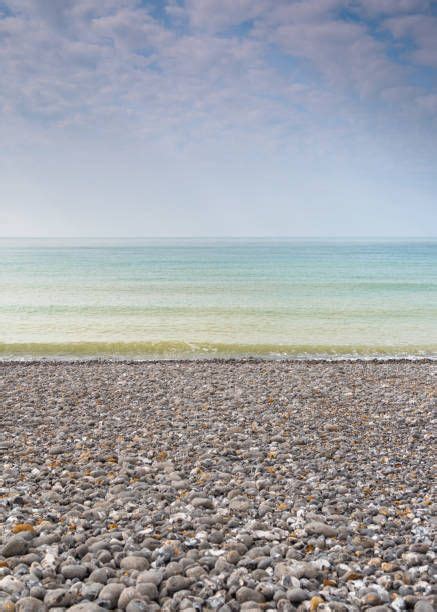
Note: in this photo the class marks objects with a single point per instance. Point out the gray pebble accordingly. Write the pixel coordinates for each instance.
(57, 598)
(134, 563)
(216, 485)
(15, 546)
(239, 504)
(11, 584)
(147, 589)
(202, 502)
(108, 596)
(153, 576)
(297, 595)
(177, 583)
(245, 594)
(126, 596)
(99, 575)
(138, 605)
(29, 604)
(74, 571)
(316, 527)
(423, 606)
(85, 606)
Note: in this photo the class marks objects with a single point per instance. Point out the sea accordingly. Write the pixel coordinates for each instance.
(217, 298)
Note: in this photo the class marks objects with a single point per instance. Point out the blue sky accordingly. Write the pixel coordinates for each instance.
(218, 117)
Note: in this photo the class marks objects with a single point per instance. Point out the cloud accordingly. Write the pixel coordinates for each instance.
(213, 104)
(198, 73)
(422, 31)
(219, 15)
(394, 7)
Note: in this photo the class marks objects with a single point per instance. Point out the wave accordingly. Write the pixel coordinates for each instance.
(207, 350)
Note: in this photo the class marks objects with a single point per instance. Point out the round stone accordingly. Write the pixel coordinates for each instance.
(134, 563)
(29, 604)
(15, 546)
(74, 571)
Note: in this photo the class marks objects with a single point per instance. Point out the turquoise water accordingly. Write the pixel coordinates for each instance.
(217, 298)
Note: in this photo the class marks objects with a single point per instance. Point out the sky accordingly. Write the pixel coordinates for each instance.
(218, 118)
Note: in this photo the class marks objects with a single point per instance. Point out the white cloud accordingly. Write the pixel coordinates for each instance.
(422, 30)
(111, 64)
(394, 7)
(211, 100)
(216, 15)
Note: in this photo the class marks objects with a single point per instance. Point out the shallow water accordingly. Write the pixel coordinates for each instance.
(148, 298)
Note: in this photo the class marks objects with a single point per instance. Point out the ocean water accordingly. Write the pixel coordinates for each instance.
(153, 298)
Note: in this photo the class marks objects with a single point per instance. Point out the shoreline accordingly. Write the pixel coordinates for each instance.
(217, 360)
(211, 351)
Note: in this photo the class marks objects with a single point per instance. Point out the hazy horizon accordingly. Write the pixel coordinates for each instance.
(375, 237)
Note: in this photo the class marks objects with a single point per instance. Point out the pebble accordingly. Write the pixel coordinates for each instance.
(240, 485)
(29, 604)
(86, 606)
(126, 596)
(11, 584)
(316, 527)
(245, 594)
(202, 502)
(17, 545)
(57, 598)
(177, 583)
(134, 563)
(424, 606)
(108, 596)
(150, 576)
(147, 589)
(138, 605)
(297, 596)
(74, 571)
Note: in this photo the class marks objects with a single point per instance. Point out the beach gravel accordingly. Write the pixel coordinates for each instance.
(208, 485)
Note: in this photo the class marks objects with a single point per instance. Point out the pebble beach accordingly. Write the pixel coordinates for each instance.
(217, 485)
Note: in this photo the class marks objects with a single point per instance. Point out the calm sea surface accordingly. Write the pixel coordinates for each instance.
(151, 298)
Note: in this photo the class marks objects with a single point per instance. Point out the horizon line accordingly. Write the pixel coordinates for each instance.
(226, 237)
